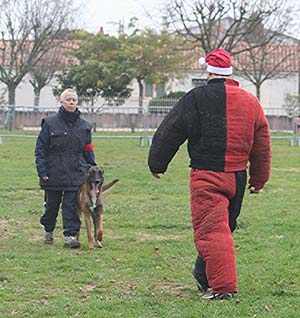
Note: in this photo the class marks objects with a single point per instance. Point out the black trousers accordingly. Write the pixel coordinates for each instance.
(71, 221)
(234, 209)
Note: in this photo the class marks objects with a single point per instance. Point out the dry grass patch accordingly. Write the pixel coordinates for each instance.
(144, 236)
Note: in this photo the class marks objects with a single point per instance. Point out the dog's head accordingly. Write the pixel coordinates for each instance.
(95, 178)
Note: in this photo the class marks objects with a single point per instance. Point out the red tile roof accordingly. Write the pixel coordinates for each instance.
(283, 57)
(22, 48)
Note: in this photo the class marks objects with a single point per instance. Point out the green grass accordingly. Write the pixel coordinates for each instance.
(144, 269)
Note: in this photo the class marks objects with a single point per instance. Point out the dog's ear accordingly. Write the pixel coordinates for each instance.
(101, 169)
(88, 167)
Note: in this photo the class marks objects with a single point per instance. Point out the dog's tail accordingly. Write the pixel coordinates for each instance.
(107, 186)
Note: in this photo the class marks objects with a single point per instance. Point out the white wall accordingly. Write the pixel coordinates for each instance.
(273, 91)
(25, 95)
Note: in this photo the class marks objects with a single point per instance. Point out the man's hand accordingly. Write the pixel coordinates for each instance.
(252, 190)
(45, 178)
(156, 175)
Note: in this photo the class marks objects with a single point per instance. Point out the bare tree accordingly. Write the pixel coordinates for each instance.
(212, 24)
(266, 62)
(55, 60)
(28, 29)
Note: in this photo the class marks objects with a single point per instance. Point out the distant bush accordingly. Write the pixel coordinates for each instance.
(292, 105)
(177, 94)
(165, 102)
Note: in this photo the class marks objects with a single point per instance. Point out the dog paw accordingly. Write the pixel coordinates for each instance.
(99, 244)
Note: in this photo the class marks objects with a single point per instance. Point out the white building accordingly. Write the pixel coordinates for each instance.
(273, 91)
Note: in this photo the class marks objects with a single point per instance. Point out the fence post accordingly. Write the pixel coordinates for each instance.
(146, 125)
(296, 127)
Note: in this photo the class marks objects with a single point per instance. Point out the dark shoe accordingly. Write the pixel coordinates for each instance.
(201, 283)
(212, 296)
(71, 242)
(48, 238)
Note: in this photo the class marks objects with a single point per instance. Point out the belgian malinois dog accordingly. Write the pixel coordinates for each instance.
(90, 202)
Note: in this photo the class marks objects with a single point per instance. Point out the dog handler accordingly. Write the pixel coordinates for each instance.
(226, 128)
(63, 150)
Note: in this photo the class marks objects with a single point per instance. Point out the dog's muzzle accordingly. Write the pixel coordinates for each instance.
(96, 184)
(95, 188)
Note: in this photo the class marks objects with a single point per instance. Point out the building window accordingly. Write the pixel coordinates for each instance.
(160, 89)
(199, 82)
(149, 90)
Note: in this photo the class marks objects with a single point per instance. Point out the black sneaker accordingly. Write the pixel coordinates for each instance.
(71, 242)
(212, 296)
(201, 283)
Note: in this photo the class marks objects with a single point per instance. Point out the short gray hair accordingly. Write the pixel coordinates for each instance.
(66, 91)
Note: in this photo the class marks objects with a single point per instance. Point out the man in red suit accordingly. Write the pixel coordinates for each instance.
(226, 129)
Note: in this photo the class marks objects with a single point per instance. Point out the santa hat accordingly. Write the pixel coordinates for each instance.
(218, 62)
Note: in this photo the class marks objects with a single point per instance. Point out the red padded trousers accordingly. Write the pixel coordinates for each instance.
(210, 195)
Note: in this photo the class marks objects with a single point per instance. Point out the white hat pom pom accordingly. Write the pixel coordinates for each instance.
(202, 60)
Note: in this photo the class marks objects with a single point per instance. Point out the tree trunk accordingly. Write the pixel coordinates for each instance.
(299, 81)
(10, 119)
(141, 95)
(257, 86)
(37, 94)
(11, 94)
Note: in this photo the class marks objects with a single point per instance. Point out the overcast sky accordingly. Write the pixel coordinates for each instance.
(107, 13)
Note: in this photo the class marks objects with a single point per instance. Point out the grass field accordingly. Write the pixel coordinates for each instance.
(144, 269)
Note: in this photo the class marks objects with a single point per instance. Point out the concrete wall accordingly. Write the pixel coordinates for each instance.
(31, 120)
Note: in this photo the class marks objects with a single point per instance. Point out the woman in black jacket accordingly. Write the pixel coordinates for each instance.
(63, 151)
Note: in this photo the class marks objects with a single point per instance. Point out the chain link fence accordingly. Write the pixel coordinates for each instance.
(129, 118)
